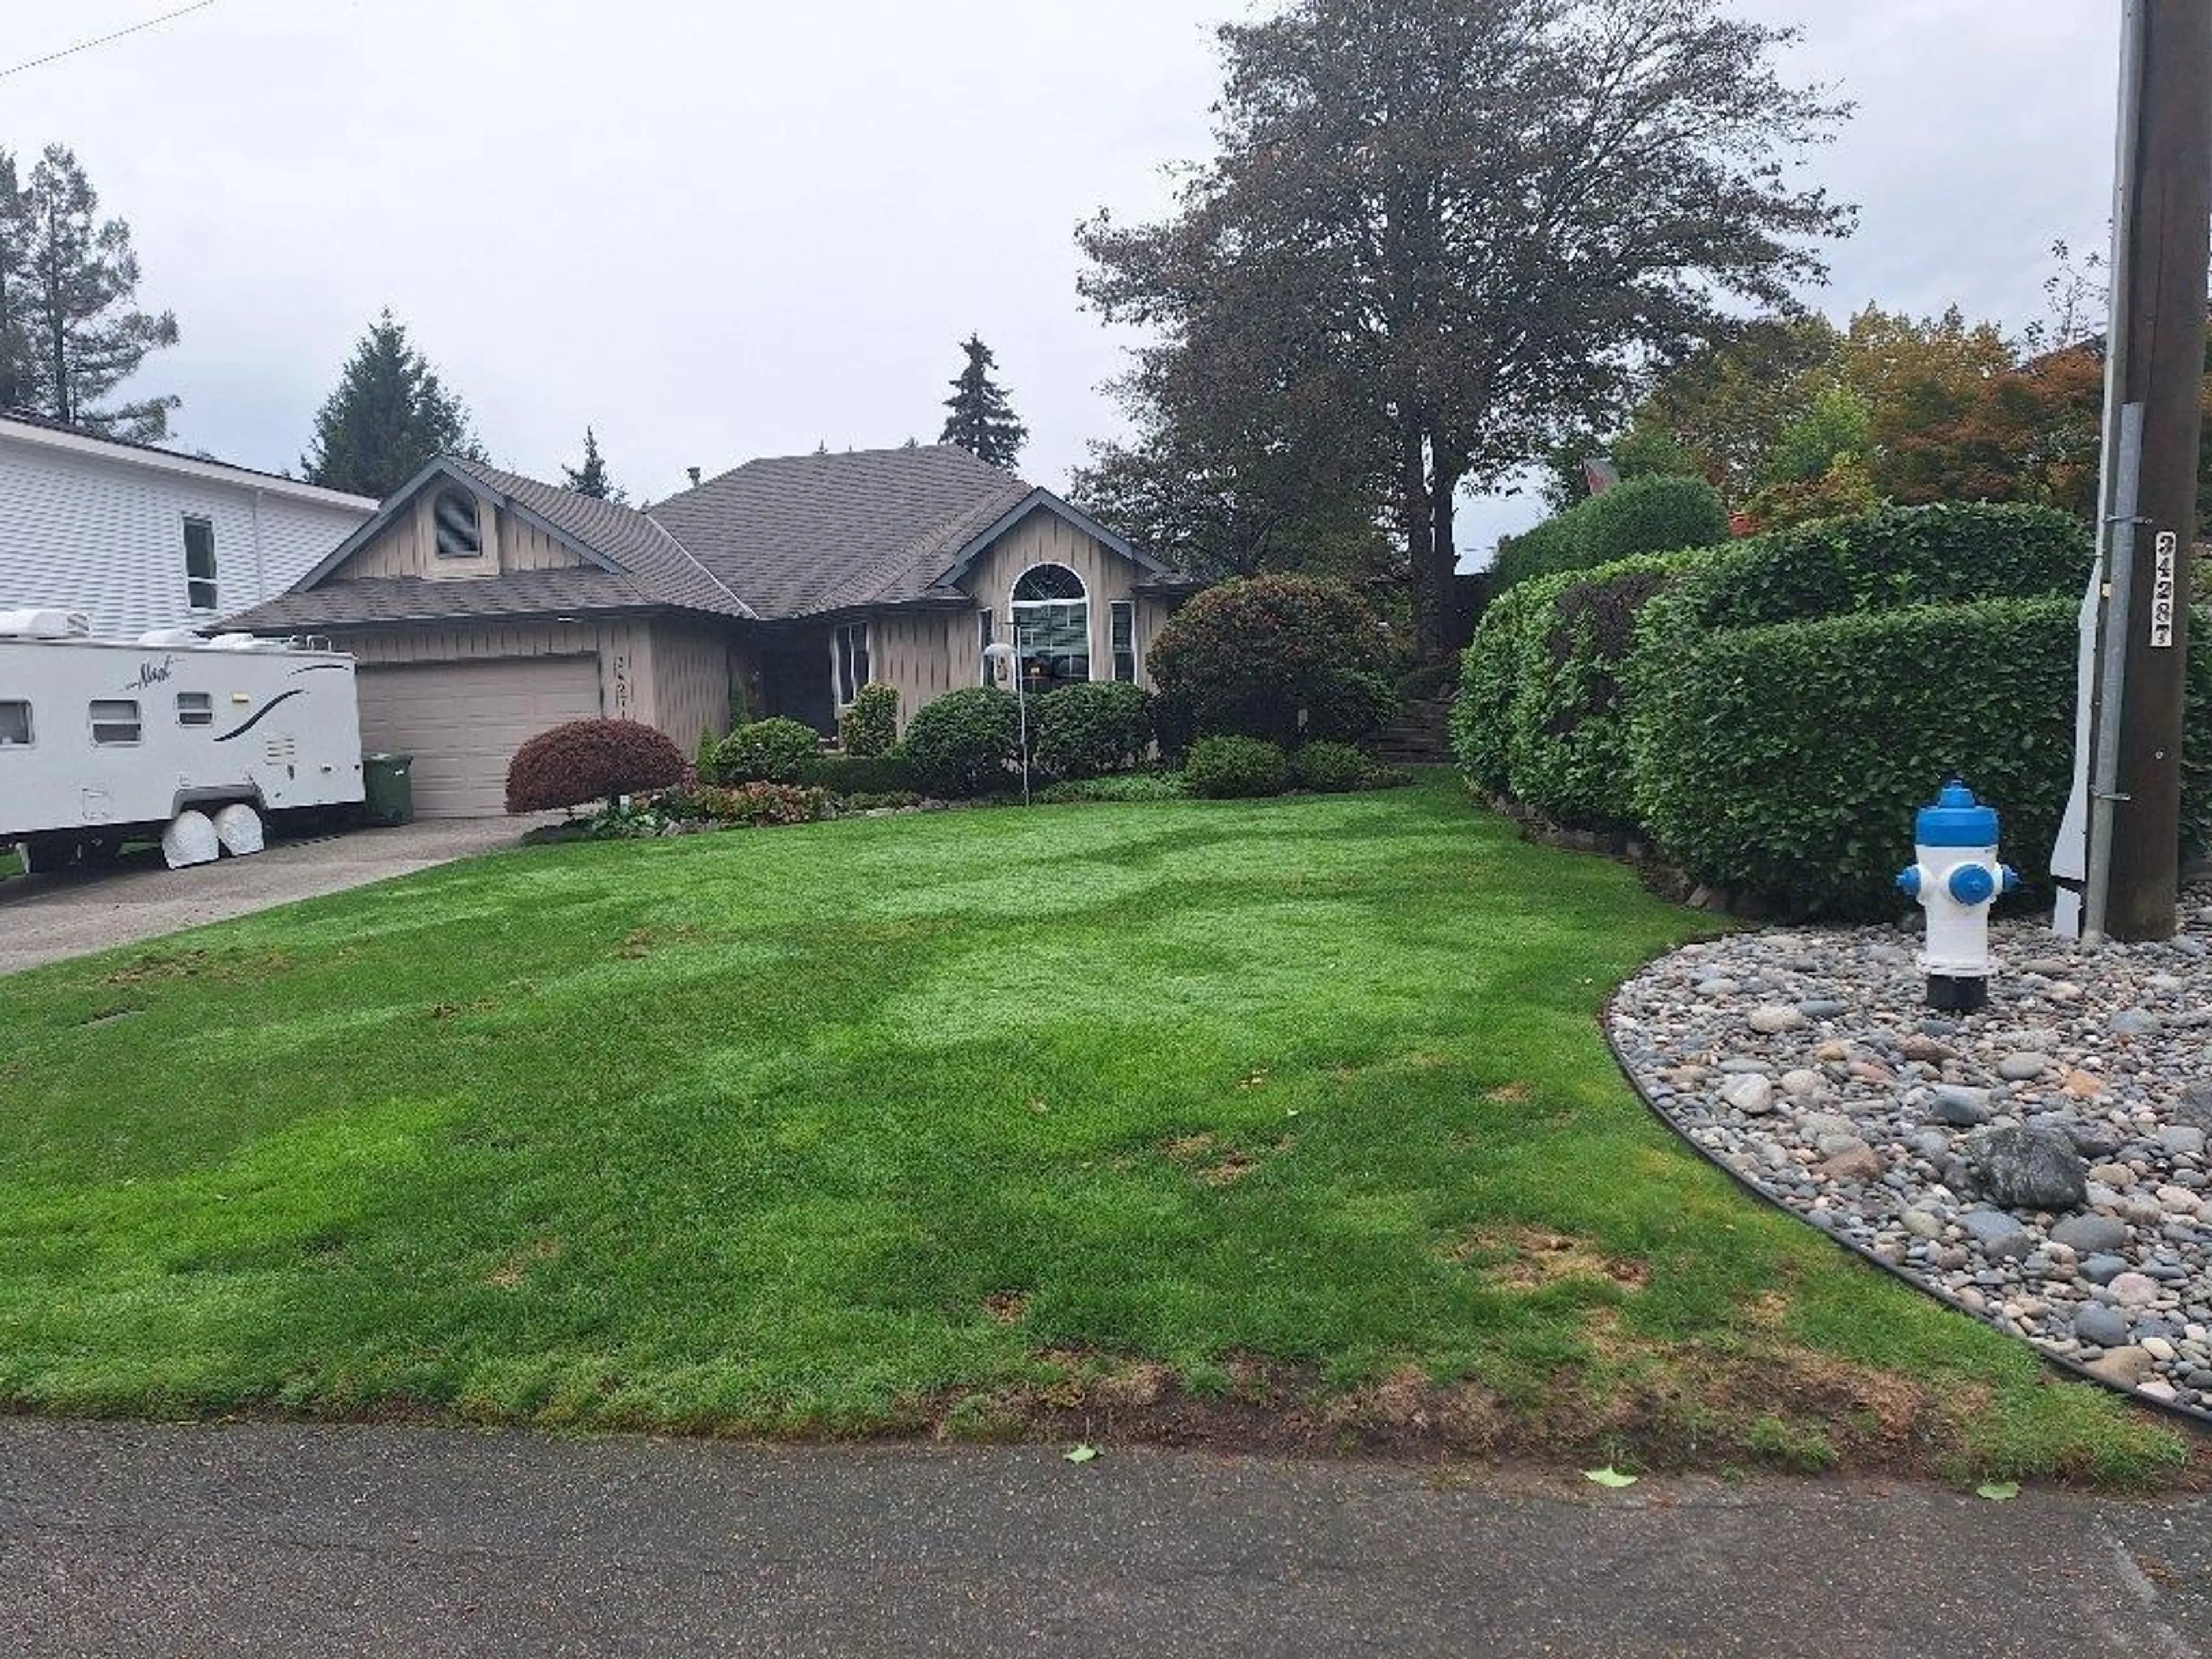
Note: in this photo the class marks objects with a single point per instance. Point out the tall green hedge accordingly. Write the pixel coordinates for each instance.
(1566, 722)
(1787, 761)
(1643, 515)
(1490, 674)
(1886, 560)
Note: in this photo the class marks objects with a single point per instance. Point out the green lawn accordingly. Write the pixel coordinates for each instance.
(1288, 1120)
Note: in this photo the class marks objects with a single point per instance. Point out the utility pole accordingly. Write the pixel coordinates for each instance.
(2155, 372)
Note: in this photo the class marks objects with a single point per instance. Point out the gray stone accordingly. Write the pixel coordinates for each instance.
(2093, 1140)
(2134, 1290)
(1922, 1223)
(2103, 1269)
(1932, 1143)
(2026, 1168)
(2126, 1366)
(2184, 1140)
(2023, 1066)
(1802, 1083)
(2134, 1022)
(1773, 1018)
(1824, 1008)
(1752, 1094)
(2091, 1235)
(1957, 1105)
(1998, 1235)
(2106, 1327)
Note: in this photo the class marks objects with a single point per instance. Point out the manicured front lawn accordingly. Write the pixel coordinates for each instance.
(1286, 1120)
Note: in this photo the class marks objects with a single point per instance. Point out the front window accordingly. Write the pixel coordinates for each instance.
(15, 725)
(1123, 615)
(114, 719)
(199, 564)
(850, 648)
(1051, 627)
(454, 514)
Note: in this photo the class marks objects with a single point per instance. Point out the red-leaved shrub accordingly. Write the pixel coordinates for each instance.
(590, 760)
(761, 805)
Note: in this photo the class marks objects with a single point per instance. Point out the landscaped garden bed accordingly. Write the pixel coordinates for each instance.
(1284, 1122)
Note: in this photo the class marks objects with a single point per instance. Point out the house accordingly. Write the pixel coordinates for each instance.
(137, 538)
(484, 607)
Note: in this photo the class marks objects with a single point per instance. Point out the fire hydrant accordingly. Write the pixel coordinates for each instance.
(1956, 878)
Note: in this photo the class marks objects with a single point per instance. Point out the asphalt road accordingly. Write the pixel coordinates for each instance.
(278, 1539)
(75, 913)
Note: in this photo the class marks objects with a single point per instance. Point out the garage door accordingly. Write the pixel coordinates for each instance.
(464, 720)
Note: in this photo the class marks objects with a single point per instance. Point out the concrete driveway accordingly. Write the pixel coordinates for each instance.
(73, 914)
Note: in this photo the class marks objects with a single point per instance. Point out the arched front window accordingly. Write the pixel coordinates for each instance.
(1051, 617)
(454, 514)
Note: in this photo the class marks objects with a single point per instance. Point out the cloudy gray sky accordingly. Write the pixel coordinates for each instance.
(718, 232)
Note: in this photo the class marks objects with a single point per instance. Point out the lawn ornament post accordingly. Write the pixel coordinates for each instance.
(1956, 878)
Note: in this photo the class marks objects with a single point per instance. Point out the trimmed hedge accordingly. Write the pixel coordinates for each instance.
(852, 774)
(1087, 729)
(1886, 560)
(963, 744)
(1491, 671)
(1225, 767)
(588, 760)
(1331, 769)
(869, 729)
(1566, 736)
(1642, 515)
(1786, 761)
(765, 751)
(1250, 658)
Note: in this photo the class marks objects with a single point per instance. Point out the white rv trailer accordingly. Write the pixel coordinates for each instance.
(103, 741)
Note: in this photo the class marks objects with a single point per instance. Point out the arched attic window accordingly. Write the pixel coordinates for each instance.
(1051, 615)
(453, 514)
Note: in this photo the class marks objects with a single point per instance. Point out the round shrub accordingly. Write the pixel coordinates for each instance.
(1661, 514)
(1330, 769)
(766, 751)
(961, 743)
(1087, 729)
(1274, 657)
(869, 729)
(1233, 767)
(588, 760)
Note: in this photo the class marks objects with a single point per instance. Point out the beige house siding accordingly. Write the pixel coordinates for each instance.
(409, 548)
(1045, 538)
(913, 653)
(691, 671)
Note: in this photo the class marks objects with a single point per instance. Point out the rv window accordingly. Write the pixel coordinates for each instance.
(199, 563)
(114, 720)
(195, 708)
(454, 514)
(15, 725)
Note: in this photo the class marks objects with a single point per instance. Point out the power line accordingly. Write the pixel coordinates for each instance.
(87, 46)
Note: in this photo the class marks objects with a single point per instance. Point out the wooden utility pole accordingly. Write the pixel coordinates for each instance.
(2157, 364)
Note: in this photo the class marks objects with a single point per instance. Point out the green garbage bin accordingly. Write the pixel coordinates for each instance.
(388, 788)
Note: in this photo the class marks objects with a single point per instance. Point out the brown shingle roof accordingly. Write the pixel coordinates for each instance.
(373, 600)
(801, 534)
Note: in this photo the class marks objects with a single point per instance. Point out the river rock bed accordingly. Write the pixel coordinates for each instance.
(2042, 1162)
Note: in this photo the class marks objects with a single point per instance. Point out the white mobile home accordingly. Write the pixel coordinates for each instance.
(137, 539)
(104, 741)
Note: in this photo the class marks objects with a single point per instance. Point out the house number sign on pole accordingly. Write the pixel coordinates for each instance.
(2162, 590)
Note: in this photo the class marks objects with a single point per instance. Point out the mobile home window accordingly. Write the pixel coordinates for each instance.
(1123, 615)
(199, 563)
(15, 725)
(195, 708)
(454, 514)
(983, 638)
(851, 649)
(114, 719)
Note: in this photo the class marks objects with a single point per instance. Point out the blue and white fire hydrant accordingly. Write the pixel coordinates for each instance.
(1956, 878)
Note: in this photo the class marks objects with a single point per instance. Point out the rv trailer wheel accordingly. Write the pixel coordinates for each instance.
(43, 854)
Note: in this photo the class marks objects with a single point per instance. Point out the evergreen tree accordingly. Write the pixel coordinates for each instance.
(15, 288)
(389, 414)
(69, 332)
(591, 478)
(982, 422)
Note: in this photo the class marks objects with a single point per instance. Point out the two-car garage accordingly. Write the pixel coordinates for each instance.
(464, 720)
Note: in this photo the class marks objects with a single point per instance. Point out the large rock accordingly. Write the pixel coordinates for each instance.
(2105, 1326)
(2028, 1169)
(1752, 1095)
(2092, 1234)
(1996, 1235)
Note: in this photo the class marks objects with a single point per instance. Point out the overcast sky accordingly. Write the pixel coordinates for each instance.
(718, 231)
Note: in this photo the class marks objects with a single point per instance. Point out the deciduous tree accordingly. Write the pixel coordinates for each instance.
(1468, 225)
